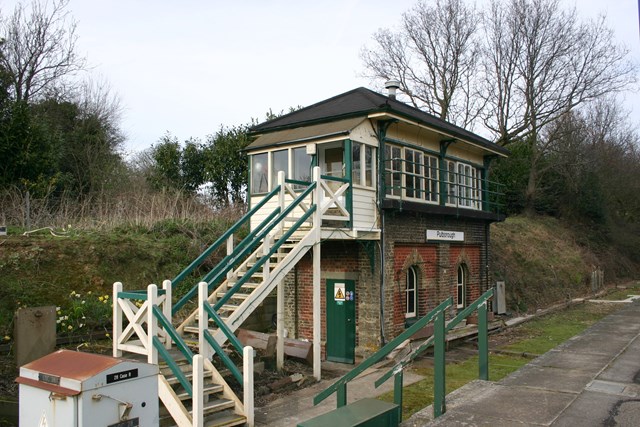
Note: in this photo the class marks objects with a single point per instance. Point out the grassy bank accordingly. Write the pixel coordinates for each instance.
(42, 269)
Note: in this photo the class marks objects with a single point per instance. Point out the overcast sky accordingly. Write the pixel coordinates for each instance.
(188, 67)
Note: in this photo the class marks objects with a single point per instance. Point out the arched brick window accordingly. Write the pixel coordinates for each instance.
(461, 286)
(411, 291)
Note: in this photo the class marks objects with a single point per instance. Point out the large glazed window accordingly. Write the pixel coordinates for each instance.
(301, 164)
(279, 162)
(362, 164)
(464, 185)
(259, 173)
(393, 170)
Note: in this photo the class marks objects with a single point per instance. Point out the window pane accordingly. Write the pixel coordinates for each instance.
(279, 162)
(356, 163)
(368, 166)
(411, 292)
(259, 180)
(460, 287)
(393, 175)
(301, 164)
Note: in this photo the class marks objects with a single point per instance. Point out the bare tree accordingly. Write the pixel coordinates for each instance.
(39, 47)
(540, 63)
(433, 55)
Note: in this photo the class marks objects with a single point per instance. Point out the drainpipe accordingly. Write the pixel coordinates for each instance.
(382, 132)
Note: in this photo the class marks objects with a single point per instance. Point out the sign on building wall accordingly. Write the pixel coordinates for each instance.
(443, 235)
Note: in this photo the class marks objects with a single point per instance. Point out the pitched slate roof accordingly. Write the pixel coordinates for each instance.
(363, 101)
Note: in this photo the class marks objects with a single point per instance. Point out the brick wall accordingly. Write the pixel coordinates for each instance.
(436, 263)
(404, 245)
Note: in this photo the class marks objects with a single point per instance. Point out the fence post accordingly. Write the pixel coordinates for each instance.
(317, 272)
(198, 390)
(152, 323)
(247, 376)
(439, 388)
(166, 309)
(483, 342)
(397, 391)
(341, 395)
(229, 252)
(203, 320)
(117, 319)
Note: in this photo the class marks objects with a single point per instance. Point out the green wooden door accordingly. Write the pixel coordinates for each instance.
(341, 320)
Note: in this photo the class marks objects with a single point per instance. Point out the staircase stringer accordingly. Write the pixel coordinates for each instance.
(172, 402)
(227, 391)
(283, 267)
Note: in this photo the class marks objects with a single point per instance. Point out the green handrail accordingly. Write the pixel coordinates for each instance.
(223, 326)
(173, 366)
(427, 343)
(140, 295)
(227, 263)
(168, 327)
(264, 259)
(224, 237)
(226, 359)
(340, 385)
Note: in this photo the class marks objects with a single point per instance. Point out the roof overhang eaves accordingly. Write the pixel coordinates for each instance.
(488, 145)
(323, 131)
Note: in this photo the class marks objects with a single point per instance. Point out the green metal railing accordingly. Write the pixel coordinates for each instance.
(182, 346)
(478, 194)
(220, 241)
(438, 340)
(340, 386)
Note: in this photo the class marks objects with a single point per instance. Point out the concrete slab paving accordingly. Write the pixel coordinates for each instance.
(592, 379)
(549, 378)
(567, 359)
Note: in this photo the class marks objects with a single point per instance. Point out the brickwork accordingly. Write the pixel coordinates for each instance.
(405, 246)
(340, 260)
(436, 262)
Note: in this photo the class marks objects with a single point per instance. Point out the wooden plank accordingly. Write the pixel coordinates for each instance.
(258, 340)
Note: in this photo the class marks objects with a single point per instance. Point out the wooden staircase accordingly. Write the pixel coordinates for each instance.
(193, 392)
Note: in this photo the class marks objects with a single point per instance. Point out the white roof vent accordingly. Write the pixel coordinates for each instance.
(392, 86)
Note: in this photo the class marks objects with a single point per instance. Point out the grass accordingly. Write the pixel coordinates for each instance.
(622, 294)
(536, 336)
(40, 269)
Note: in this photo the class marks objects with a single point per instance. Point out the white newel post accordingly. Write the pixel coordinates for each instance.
(280, 326)
(266, 248)
(203, 320)
(281, 200)
(117, 319)
(198, 391)
(229, 252)
(317, 309)
(166, 309)
(152, 323)
(247, 383)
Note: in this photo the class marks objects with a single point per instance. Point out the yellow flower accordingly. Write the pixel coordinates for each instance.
(8, 338)
(107, 335)
(70, 327)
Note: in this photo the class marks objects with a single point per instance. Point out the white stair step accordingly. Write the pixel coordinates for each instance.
(217, 405)
(224, 419)
(208, 389)
(237, 295)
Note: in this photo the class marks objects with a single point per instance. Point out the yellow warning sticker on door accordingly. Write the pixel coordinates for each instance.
(338, 291)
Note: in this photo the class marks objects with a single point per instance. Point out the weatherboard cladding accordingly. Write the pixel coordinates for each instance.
(361, 102)
(306, 133)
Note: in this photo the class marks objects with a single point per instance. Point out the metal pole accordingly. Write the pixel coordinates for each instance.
(439, 407)
(483, 342)
(397, 392)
